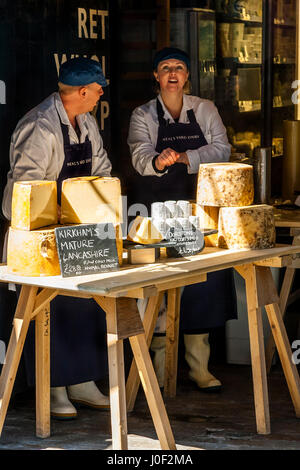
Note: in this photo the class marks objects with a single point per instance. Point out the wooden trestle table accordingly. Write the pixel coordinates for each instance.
(116, 292)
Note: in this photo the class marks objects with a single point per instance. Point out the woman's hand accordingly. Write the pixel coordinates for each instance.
(167, 158)
(183, 158)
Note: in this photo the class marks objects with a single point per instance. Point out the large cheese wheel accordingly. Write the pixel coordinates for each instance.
(33, 253)
(34, 204)
(246, 227)
(225, 184)
(143, 231)
(208, 219)
(90, 200)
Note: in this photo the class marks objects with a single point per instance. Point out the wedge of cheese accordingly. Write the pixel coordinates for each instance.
(91, 199)
(250, 227)
(34, 204)
(143, 231)
(32, 253)
(225, 184)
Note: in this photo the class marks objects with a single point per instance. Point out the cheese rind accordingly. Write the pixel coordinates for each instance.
(34, 204)
(143, 231)
(225, 184)
(250, 227)
(33, 253)
(90, 200)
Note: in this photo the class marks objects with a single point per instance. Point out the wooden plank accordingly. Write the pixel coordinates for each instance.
(152, 392)
(186, 281)
(172, 334)
(42, 300)
(287, 283)
(277, 262)
(285, 354)
(20, 326)
(150, 318)
(263, 294)
(127, 320)
(42, 372)
(283, 300)
(257, 354)
(117, 394)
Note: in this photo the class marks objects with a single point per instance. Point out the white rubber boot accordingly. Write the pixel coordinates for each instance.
(60, 406)
(88, 394)
(197, 352)
(158, 346)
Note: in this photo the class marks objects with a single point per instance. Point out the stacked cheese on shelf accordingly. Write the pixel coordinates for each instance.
(31, 249)
(225, 196)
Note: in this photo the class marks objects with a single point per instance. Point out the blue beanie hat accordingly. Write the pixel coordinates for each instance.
(171, 53)
(81, 71)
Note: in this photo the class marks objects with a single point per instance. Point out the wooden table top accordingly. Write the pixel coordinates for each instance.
(130, 277)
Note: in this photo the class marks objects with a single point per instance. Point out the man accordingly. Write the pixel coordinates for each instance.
(59, 139)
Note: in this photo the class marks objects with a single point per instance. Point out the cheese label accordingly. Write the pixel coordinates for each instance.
(87, 249)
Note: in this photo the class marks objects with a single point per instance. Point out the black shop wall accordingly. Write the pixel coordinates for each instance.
(35, 38)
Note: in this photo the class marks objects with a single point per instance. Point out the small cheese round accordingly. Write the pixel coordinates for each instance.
(225, 184)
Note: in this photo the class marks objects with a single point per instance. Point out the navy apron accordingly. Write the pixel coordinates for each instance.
(78, 326)
(209, 304)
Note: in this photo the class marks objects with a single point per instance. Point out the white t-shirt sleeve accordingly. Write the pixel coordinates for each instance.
(140, 143)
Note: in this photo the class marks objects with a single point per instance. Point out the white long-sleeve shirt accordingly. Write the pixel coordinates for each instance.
(143, 132)
(37, 149)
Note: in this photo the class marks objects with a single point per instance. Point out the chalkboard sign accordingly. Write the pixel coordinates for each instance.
(86, 249)
(184, 242)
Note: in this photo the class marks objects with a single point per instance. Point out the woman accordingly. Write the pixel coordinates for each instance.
(169, 137)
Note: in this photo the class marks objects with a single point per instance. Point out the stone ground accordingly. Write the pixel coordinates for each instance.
(215, 421)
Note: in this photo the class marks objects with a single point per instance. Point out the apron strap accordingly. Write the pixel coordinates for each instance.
(191, 115)
(160, 113)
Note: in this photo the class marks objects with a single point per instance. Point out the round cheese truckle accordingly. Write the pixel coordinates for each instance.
(250, 227)
(33, 253)
(225, 184)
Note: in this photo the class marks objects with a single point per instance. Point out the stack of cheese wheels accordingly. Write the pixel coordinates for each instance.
(225, 196)
(93, 200)
(31, 249)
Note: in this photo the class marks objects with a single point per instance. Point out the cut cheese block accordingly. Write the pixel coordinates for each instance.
(119, 243)
(225, 184)
(143, 231)
(209, 217)
(33, 253)
(90, 200)
(247, 227)
(34, 204)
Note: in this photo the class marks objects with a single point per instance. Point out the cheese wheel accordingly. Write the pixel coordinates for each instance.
(209, 217)
(34, 204)
(225, 184)
(143, 231)
(91, 200)
(250, 227)
(33, 253)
